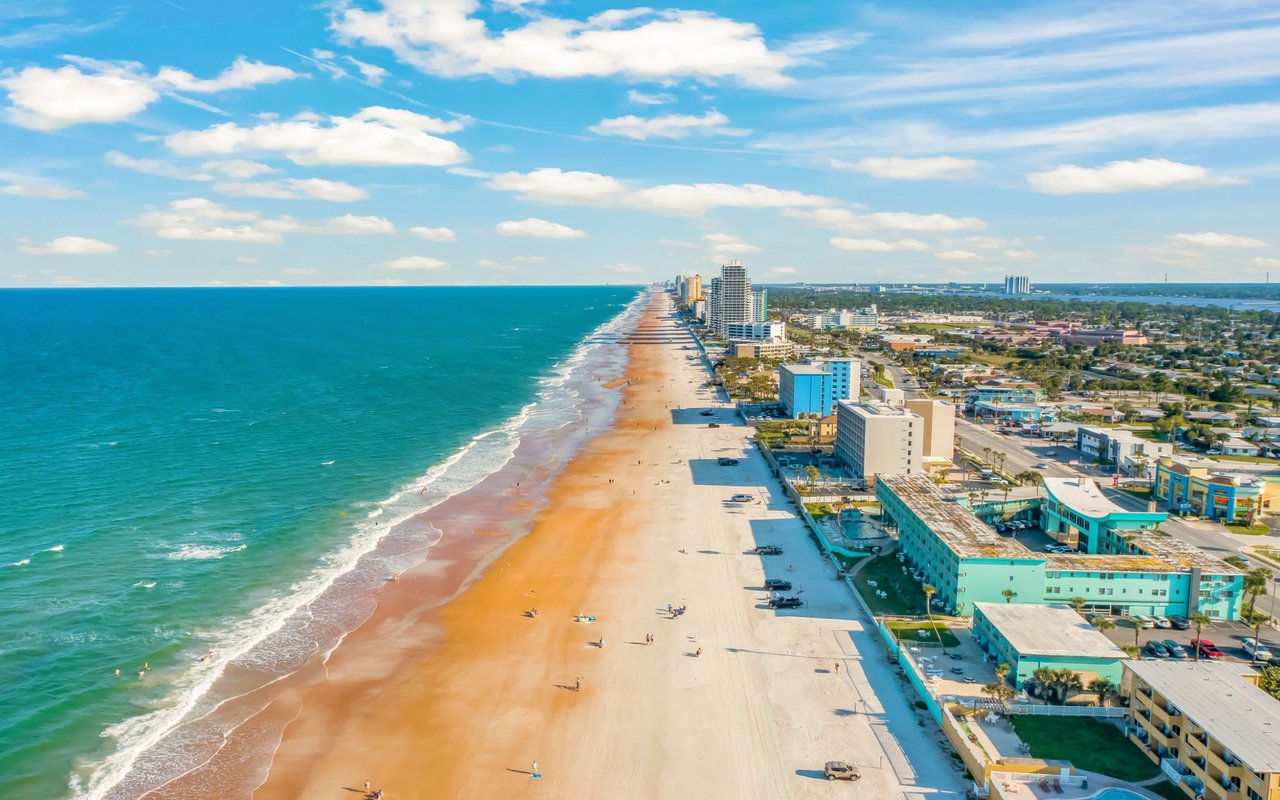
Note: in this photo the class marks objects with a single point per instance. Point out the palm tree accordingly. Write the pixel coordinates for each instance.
(1008, 595)
(999, 690)
(1199, 620)
(1002, 670)
(1101, 687)
(1002, 457)
(986, 452)
(1103, 624)
(1137, 632)
(1077, 603)
(1255, 584)
(1257, 620)
(929, 591)
(1066, 681)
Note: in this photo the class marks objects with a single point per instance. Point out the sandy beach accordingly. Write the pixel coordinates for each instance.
(459, 700)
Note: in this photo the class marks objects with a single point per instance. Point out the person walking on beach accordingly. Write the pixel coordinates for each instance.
(366, 787)
(837, 667)
(533, 773)
(697, 653)
(577, 684)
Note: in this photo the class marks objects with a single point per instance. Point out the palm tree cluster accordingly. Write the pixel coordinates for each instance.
(1057, 685)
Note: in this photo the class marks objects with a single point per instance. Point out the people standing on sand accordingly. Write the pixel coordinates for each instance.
(577, 684)
(366, 787)
(534, 771)
(697, 653)
(601, 644)
(837, 667)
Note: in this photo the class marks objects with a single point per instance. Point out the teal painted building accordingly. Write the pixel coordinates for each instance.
(1122, 564)
(1028, 637)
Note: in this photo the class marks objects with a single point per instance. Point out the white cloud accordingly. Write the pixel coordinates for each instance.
(375, 136)
(248, 260)
(199, 219)
(557, 187)
(784, 271)
(299, 271)
(237, 168)
(626, 269)
(698, 198)
(913, 169)
(38, 188)
(162, 253)
(372, 73)
(414, 262)
(69, 246)
(1122, 176)
(647, 99)
(153, 166)
(640, 44)
(357, 225)
(843, 219)
(668, 126)
(242, 74)
(878, 245)
(1021, 254)
(434, 234)
(1209, 239)
(295, 189)
(538, 229)
(49, 99)
(1265, 264)
(723, 244)
(958, 255)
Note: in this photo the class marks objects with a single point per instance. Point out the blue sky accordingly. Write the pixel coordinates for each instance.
(191, 143)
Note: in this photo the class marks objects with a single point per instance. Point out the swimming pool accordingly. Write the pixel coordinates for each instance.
(1117, 794)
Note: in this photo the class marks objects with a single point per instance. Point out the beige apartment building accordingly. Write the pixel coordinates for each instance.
(1208, 726)
(939, 437)
(878, 439)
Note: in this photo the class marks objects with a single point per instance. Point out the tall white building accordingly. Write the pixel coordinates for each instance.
(759, 305)
(878, 439)
(729, 299)
(1017, 284)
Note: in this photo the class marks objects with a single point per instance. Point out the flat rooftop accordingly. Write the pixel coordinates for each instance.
(878, 409)
(805, 369)
(1054, 630)
(1219, 698)
(1084, 496)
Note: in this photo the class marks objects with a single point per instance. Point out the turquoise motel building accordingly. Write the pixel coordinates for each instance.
(1121, 563)
(815, 387)
(1028, 637)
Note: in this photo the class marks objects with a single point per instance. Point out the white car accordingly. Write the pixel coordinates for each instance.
(1162, 622)
(1257, 650)
(1140, 621)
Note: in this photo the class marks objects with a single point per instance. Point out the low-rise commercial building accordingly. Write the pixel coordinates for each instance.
(877, 439)
(1216, 489)
(1208, 726)
(1001, 391)
(1093, 337)
(1029, 637)
(1011, 412)
(1131, 454)
(1121, 563)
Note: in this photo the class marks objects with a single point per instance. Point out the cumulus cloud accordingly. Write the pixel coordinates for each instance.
(724, 244)
(843, 219)
(667, 126)
(878, 245)
(295, 189)
(373, 137)
(37, 188)
(154, 166)
(249, 260)
(650, 99)
(913, 169)
(237, 168)
(698, 198)
(414, 262)
(784, 271)
(1210, 239)
(434, 234)
(1139, 175)
(69, 246)
(958, 255)
(557, 187)
(49, 99)
(200, 219)
(641, 44)
(538, 229)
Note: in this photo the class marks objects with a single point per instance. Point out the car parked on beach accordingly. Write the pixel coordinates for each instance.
(785, 602)
(713, 425)
(767, 550)
(727, 462)
(708, 413)
(744, 498)
(840, 771)
(778, 585)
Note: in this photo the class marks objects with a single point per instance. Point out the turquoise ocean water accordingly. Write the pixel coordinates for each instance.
(181, 470)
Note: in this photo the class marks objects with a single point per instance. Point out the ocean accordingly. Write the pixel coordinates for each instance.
(185, 474)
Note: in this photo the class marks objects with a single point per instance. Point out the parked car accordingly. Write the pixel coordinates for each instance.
(743, 498)
(1176, 651)
(1139, 621)
(712, 425)
(727, 462)
(1001, 527)
(767, 550)
(1179, 622)
(1155, 649)
(1162, 622)
(1042, 465)
(785, 602)
(1257, 650)
(708, 413)
(777, 585)
(840, 771)
(1206, 648)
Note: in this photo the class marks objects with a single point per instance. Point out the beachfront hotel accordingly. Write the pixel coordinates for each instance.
(1031, 637)
(1213, 732)
(878, 439)
(817, 385)
(729, 298)
(1122, 564)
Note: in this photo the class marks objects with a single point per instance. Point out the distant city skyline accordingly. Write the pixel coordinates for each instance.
(393, 142)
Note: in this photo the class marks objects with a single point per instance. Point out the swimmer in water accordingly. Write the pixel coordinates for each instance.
(117, 672)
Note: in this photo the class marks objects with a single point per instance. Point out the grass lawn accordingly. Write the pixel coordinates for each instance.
(1149, 435)
(1168, 790)
(1141, 492)
(1247, 459)
(1272, 553)
(905, 597)
(910, 632)
(994, 360)
(883, 379)
(1251, 530)
(1089, 744)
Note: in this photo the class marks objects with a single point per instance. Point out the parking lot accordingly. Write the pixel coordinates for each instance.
(1229, 637)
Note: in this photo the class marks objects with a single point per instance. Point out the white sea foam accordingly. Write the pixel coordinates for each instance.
(57, 548)
(21, 563)
(485, 454)
(201, 552)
